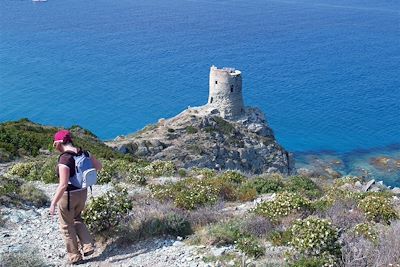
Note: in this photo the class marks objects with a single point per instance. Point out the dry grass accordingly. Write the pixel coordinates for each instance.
(344, 214)
(360, 252)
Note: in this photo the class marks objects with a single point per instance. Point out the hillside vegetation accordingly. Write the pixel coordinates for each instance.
(25, 138)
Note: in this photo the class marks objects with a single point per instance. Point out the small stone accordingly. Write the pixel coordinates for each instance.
(368, 185)
(218, 251)
(178, 244)
(179, 238)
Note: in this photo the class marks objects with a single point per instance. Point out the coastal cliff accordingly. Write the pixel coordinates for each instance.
(200, 137)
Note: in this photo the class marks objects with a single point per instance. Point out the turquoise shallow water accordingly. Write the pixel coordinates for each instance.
(326, 73)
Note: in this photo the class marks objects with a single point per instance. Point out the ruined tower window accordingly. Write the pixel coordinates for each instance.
(216, 82)
(231, 88)
(211, 100)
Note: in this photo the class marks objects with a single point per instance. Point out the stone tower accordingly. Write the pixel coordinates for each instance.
(226, 92)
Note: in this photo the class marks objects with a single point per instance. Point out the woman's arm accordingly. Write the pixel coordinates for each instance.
(62, 186)
(96, 163)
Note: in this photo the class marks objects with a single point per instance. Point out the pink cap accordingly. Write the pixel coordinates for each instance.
(63, 136)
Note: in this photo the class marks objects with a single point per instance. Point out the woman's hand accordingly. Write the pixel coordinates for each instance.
(52, 209)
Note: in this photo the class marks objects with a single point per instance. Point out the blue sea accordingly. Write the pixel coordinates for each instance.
(325, 72)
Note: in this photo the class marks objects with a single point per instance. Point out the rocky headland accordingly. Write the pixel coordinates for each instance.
(200, 137)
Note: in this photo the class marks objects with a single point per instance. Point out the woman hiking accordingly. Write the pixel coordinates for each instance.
(71, 199)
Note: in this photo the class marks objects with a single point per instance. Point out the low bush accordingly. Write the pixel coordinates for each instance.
(280, 238)
(21, 169)
(205, 215)
(378, 208)
(268, 184)
(17, 192)
(314, 237)
(346, 180)
(160, 168)
(204, 172)
(191, 130)
(234, 231)
(304, 186)
(39, 170)
(246, 192)
(106, 211)
(174, 224)
(31, 195)
(250, 246)
(189, 193)
(343, 214)
(366, 230)
(122, 169)
(182, 172)
(151, 219)
(225, 233)
(233, 177)
(26, 138)
(284, 204)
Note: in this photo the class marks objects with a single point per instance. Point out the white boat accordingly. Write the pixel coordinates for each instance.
(39, 0)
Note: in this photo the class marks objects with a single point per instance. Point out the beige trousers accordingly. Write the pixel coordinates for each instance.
(72, 226)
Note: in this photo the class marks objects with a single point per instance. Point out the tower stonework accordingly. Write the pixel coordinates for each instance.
(226, 92)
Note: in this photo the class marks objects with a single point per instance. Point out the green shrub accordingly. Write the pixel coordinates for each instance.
(223, 125)
(281, 238)
(106, 211)
(38, 170)
(188, 194)
(177, 225)
(225, 233)
(205, 172)
(314, 236)
(366, 230)
(191, 130)
(160, 168)
(250, 246)
(122, 169)
(15, 191)
(284, 204)
(232, 232)
(346, 180)
(25, 138)
(106, 174)
(21, 169)
(322, 204)
(173, 224)
(198, 194)
(182, 172)
(304, 186)
(246, 192)
(233, 176)
(32, 195)
(47, 172)
(378, 208)
(268, 184)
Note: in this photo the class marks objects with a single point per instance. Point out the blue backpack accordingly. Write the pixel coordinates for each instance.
(85, 174)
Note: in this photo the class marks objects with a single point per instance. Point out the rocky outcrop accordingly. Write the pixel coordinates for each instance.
(200, 137)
